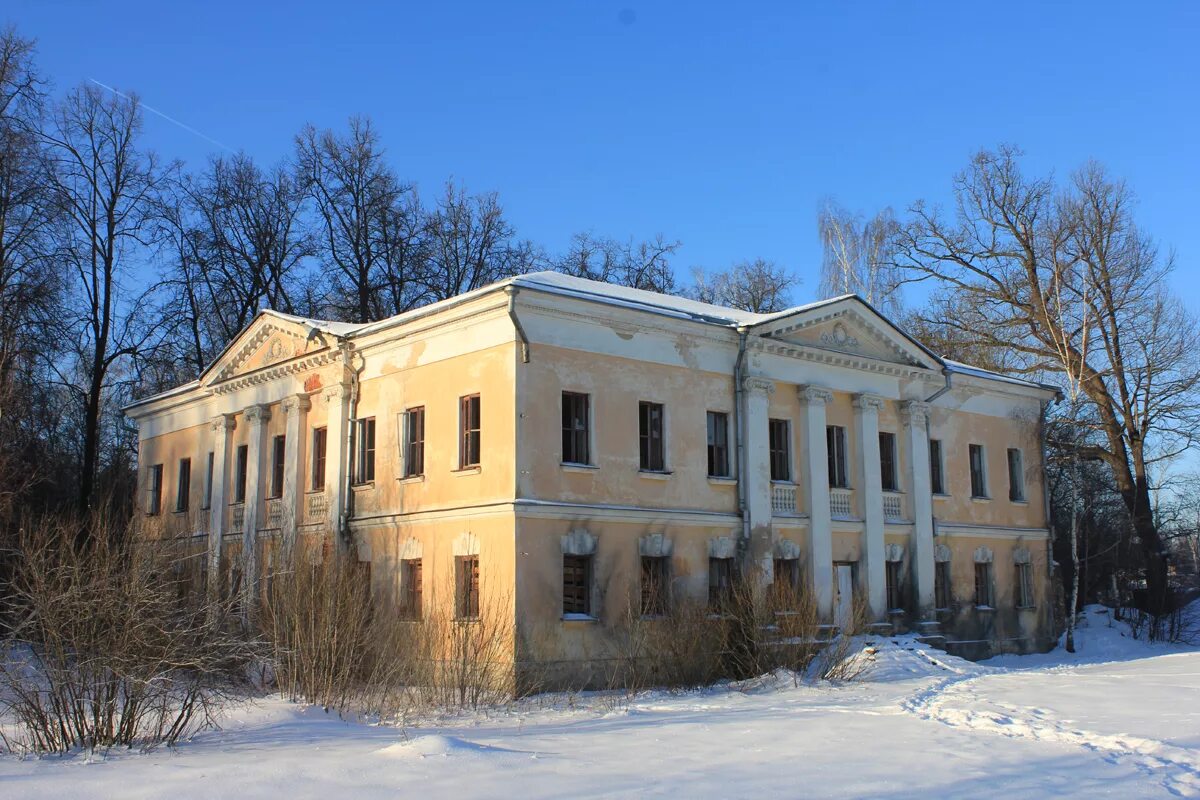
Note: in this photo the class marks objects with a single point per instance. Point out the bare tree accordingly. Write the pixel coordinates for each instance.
(1046, 273)
(370, 228)
(758, 286)
(638, 265)
(858, 256)
(104, 185)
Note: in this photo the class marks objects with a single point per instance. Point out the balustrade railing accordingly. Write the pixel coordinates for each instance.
(783, 499)
(316, 507)
(238, 522)
(841, 502)
(893, 507)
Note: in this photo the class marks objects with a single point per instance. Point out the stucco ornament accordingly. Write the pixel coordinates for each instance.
(838, 337)
(722, 547)
(894, 552)
(941, 553)
(277, 349)
(786, 548)
(466, 544)
(1021, 556)
(655, 545)
(578, 543)
(983, 555)
(410, 549)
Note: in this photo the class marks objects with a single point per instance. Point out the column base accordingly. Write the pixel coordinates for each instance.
(880, 629)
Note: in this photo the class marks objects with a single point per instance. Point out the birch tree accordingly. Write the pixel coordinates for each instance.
(857, 256)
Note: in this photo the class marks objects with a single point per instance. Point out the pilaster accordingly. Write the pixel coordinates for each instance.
(869, 482)
(916, 437)
(757, 477)
(296, 410)
(221, 427)
(816, 482)
(337, 454)
(256, 418)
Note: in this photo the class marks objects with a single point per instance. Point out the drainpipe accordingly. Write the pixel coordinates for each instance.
(511, 290)
(947, 375)
(739, 432)
(352, 413)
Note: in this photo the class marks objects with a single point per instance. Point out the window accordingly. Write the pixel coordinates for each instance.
(154, 504)
(183, 487)
(654, 586)
(364, 455)
(575, 423)
(1016, 476)
(937, 480)
(412, 578)
(239, 473)
(466, 587)
(887, 461)
(895, 585)
(941, 584)
(414, 442)
(983, 585)
(319, 438)
(1025, 585)
(577, 582)
(978, 471)
(786, 584)
(208, 479)
(835, 442)
(780, 449)
(718, 444)
(469, 427)
(650, 436)
(720, 584)
(278, 454)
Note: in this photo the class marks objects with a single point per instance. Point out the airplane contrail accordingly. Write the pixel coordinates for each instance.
(173, 121)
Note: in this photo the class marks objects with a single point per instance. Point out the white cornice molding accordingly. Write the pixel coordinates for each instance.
(975, 531)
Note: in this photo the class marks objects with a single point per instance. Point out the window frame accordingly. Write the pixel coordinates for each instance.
(577, 430)
(721, 576)
(320, 445)
(652, 436)
(154, 507)
(985, 589)
(183, 485)
(364, 451)
(576, 585)
(889, 458)
(979, 477)
(470, 410)
(943, 594)
(835, 444)
(717, 438)
(789, 569)
(412, 438)
(1024, 585)
(779, 449)
(466, 587)
(206, 504)
(894, 585)
(412, 576)
(937, 467)
(1016, 475)
(278, 465)
(241, 468)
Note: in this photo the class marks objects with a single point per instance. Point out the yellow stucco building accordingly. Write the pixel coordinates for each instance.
(562, 443)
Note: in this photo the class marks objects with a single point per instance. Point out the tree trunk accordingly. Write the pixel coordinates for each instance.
(1158, 594)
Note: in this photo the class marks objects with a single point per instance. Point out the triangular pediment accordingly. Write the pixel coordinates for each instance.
(268, 345)
(848, 327)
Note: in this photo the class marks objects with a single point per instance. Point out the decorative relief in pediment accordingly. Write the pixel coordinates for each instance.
(269, 350)
(846, 334)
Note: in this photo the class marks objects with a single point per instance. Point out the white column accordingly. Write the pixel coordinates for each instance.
(870, 499)
(222, 427)
(336, 457)
(816, 482)
(296, 409)
(757, 394)
(256, 417)
(916, 437)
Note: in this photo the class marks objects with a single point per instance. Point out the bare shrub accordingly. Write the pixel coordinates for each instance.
(111, 642)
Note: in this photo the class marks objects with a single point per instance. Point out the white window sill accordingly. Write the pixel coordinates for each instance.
(569, 466)
(365, 485)
(1019, 502)
(981, 499)
(412, 479)
(654, 474)
(941, 496)
(1026, 608)
(722, 480)
(985, 608)
(475, 470)
(579, 618)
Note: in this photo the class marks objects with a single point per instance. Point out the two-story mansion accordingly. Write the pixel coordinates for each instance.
(567, 445)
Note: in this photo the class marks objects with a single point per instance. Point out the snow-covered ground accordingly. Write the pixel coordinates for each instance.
(1118, 719)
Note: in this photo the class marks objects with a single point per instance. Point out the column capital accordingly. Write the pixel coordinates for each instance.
(336, 392)
(868, 402)
(915, 412)
(758, 385)
(257, 415)
(295, 403)
(222, 422)
(814, 394)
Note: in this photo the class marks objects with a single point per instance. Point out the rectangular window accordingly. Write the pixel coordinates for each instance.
(835, 442)
(469, 428)
(652, 455)
(278, 456)
(364, 450)
(208, 479)
(412, 577)
(320, 437)
(575, 423)
(1016, 476)
(577, 582)
(654, 586)
(154, 502)
(941, 585)
(1025, 586)
(718, 444)
(466, 587)
(887, 461)
(183, 486)
(241, 462)
(720, 584)
(414, 442)
(937, 480)
(983, 585)
(786, 583)
(978, 471)
(779, 444)
(895, 585)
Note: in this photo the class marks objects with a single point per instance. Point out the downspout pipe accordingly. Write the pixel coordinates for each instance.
(947, 375)
(739, 426)
(352, 414)
(511, 290)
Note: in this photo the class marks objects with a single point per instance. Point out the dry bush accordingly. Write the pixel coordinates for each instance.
(110, 642)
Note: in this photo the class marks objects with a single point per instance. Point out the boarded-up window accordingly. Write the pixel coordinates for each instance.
(577, 584)
(983, 585)
(466, 587)
(412, 578)
(654, 585)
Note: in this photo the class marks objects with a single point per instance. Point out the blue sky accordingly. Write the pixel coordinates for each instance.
(718, 124)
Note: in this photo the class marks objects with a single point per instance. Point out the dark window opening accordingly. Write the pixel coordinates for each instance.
(364, 446)
(575, 434)
(466, 587)
(278, 456)
(937, 480)
(887, 462)
(718, 444)
(469, 427)
(652, 453)
(835, 442)
(779, 444)
(577, 585)
(183, 488)
(654, 585)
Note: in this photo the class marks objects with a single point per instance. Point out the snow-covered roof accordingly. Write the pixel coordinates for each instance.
(960, 368)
